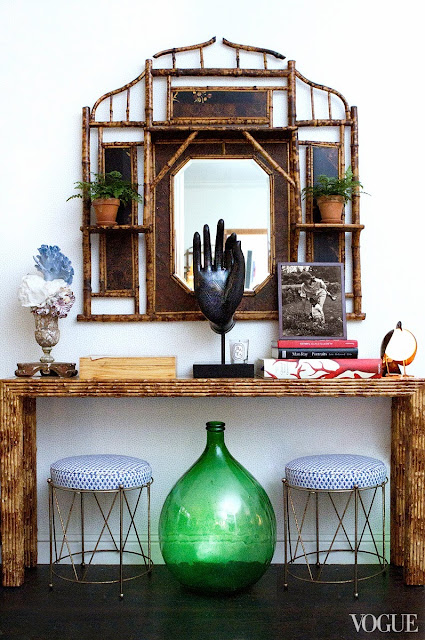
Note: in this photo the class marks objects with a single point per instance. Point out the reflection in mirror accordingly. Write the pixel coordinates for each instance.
(235, 189)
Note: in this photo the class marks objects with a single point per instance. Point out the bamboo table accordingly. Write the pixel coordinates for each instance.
(18, 450)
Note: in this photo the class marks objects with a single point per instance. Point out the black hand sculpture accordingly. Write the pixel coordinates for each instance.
(218, 286)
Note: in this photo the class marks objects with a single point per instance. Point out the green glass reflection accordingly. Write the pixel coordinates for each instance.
(217, 527)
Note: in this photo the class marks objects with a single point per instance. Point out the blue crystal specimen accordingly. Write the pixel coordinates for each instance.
(53, 264)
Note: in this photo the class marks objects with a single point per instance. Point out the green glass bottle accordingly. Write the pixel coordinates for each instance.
(217, 528)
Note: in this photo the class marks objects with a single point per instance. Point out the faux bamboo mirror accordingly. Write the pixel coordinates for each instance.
(237, 143)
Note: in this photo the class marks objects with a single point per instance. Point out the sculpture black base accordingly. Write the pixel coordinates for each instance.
(212, 370)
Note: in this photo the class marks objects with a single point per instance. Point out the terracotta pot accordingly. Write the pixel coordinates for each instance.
(330, 208)
(106, 210)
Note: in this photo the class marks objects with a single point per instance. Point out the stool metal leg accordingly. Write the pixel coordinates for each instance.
(317, 531)
(383, 526)
(83, 562)
(104, 527)
(356, 515)
(121, 542)
(299, 525)
(341, 518)
(340, 526)
(149, 528)
(50, 533)
(125, 508)
(285, 533)
(64, 527)
(364, 500)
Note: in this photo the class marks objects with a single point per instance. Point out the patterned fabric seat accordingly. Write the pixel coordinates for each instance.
(335, 471)
(100, 472)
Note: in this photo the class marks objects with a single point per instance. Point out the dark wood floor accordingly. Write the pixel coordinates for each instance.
(158, 608)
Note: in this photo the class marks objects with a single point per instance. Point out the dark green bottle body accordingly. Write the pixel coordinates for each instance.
(217, 527)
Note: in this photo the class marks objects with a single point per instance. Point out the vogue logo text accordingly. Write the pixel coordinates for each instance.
(386, 622)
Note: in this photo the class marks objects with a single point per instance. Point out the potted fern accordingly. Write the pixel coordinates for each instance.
(331, 194)
(107, 191)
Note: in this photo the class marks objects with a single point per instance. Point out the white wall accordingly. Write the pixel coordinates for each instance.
(57, 57)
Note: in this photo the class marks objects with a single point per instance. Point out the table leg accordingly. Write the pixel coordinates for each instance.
(30, 482)
(398, 479)
(414, 534)
(12, 488)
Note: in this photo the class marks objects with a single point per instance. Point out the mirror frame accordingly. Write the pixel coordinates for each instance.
(226, 113)
(172, 299)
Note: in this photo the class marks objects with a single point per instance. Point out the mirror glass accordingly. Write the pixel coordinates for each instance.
(237, 190)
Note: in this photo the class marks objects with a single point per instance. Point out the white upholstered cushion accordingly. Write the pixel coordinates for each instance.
(100, 472)
(335, 471)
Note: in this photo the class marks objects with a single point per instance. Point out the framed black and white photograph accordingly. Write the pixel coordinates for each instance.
(311, 300)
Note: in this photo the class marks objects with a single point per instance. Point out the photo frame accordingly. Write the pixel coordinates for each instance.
(311, 299)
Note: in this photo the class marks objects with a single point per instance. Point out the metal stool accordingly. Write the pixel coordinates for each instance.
(108, 481)
(313, 480)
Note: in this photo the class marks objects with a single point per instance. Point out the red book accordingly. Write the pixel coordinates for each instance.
(330, 343)
(320, 368)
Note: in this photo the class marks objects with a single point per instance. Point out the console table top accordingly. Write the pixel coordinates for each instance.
(392, 386)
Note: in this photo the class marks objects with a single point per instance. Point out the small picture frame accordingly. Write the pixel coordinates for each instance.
(311, 300)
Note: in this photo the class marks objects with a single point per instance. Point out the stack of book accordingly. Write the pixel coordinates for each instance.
(303, 348)
(314, 358)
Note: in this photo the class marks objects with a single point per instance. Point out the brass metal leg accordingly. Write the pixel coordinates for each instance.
(285, 533)
(317, 531)
(50, 534)
(66, 550)
(343, 539)
(356, 540)
(121, 538)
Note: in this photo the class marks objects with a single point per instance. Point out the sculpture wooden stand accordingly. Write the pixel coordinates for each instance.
(56, 369)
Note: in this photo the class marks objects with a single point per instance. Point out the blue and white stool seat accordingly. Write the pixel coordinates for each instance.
(100, 472)
(335, 472)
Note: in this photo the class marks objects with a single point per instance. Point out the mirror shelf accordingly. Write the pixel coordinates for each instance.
(212, 115)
